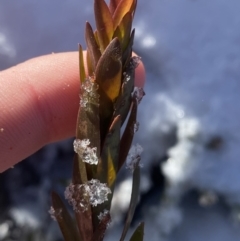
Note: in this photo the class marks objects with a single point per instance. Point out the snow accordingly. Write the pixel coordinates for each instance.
(192, 57)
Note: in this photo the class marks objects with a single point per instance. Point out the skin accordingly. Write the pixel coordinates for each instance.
(39, 101)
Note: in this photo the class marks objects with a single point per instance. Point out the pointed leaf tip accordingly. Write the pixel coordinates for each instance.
(104, 23)
(109, 70)
(93, 49)
(81, 64)
(123, 7)
(138, 233)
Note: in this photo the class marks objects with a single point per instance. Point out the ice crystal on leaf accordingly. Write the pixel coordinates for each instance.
(103, 214)
(77, 197)
(134, 157)
(55, 214)
(83, 99)
(89, 92)
(135, 61)
(98, 192)
(81, 195)
(86, 153)
(138, 93)
(136, 127)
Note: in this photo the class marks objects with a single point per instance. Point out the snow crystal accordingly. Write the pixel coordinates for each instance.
(138, 93)
(81, 195)
(135, 61)
(77, 197)
(83, 100)
(97, 191)
(89, 86)
(86, 153)
(135, 126)
(55, 214)
(104, 215)
(89, 92)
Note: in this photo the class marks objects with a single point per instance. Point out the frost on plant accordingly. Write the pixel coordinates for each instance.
(80, 195)
(138, 93)
(103, 214)
(98, 192)
(77, 197)
(134, 157)
(135, 61)
(89, 92)
(136, 127)
(55, 214)
(86, 153)
(107, 100)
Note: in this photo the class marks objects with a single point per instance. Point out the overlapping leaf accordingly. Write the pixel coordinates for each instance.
(138, 233)
(104, 23)
(109, 65)
(133, 201)
(64, 219)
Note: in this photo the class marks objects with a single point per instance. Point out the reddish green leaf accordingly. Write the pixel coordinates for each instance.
(107, 166)
(104, 23)
(92, 46)
(123, 103)
(133, 8)
(138, 233)
(133, 201)
(123, 7)
(125, 29)
(113, 5)
(96, 37)
(127, 54)
(109, 70)
(89, 64)
(88, 126)
(64, 219)
(101, 228)
(81, 64)
(128, 134)
(118, 34)
(84, 219)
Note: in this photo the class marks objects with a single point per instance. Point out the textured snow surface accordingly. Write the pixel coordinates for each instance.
(191, 50)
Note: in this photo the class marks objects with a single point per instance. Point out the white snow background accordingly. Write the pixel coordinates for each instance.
(191, 50)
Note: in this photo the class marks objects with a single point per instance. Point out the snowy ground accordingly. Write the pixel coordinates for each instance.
(192, 57)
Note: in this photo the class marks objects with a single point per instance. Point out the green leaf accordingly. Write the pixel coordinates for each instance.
(92, 45)
(123, 7)
(128, 134)
(64, 219)
(118, 34)
(138, 233)
(113, 5)
(109, 70)
(124, 100)
(133, 201)
(125, 29)
(107, 166)
(133, 8)
(89, 64)
(84, 219)
(104, 23)
(81, 64)
(127, 54)
(88, 127)
(101, 228)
